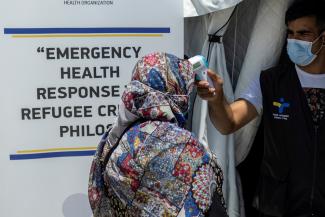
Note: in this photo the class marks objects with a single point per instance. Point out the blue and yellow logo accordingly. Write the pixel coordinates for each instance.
(281, 105)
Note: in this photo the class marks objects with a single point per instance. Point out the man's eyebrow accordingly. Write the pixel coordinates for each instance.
(289, 31)
(304, 31)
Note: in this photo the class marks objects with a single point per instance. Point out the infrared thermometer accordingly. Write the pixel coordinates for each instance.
(200, 68)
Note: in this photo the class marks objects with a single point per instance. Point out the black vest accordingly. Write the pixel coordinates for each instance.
(293, 168)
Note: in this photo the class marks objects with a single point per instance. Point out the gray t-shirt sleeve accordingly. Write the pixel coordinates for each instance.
(253, 94)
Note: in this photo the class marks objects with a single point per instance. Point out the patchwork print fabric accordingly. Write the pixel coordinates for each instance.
(159, 90)
(316, 102)
(158, 168)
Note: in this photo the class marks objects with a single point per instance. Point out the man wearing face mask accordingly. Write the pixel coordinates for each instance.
(291, 98)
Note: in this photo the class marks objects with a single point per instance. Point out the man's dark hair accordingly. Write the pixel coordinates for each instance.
(307, 8)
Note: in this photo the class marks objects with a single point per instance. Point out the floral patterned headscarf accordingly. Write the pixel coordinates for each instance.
(160, 88)
(154, 166)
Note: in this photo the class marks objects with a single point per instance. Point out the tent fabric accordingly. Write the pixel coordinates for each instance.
(202, 7)
(254, 43)
(264, 49)
(237, 37)
(222, 146)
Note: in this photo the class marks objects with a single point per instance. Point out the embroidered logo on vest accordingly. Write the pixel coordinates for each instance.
(281, 105)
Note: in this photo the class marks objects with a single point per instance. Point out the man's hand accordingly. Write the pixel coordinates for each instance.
(212, 94)
(227, 118)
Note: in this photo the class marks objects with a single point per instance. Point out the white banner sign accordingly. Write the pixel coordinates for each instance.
(64, 66)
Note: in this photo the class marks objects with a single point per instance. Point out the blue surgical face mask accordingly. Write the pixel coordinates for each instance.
(300, 51)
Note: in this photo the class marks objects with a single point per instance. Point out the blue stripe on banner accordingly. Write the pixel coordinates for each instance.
(51, 155)
(85, 30)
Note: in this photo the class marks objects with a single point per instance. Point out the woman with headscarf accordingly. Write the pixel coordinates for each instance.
(148, 164)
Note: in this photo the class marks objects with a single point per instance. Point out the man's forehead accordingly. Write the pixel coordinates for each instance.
(308, 23)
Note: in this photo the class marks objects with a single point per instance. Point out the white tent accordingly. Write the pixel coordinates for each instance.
(251, 41)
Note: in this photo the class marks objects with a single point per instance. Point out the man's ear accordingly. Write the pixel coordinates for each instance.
(322, 37)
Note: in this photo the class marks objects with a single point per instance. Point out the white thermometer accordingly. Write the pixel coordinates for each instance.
(200, 68)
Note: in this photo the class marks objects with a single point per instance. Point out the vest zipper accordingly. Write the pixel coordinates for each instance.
(312, 194)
